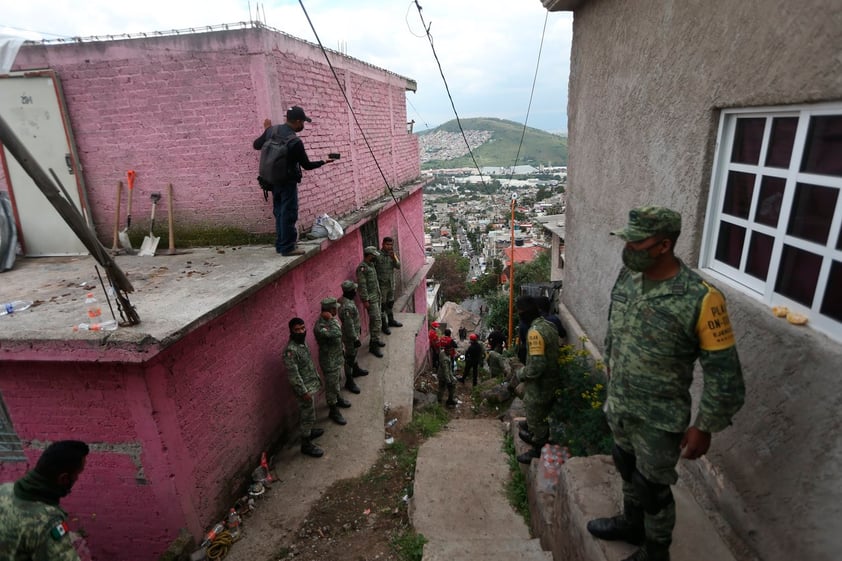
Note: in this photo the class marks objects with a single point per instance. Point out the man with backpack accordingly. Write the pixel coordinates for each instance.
(282, 156)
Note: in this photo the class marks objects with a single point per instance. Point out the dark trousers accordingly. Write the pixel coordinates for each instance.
(469, 367)
(285, 209)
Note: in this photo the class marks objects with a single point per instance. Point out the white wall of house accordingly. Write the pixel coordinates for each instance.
(649, 83)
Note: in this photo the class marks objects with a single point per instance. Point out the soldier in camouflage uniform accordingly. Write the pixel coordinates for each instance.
(386, 264)
(540, 376)
(497, 365)
(369, 290)
(328, 334)
(663, 317)
(32, 524)
(350, 317)
(446, 378)
(305, 383)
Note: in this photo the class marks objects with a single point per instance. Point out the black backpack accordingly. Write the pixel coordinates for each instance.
(274, 167)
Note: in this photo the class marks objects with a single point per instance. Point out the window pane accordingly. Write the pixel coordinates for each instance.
(769, 204)
(832, 304)
(823, 149)
(738, 194)
(759, 255)
(798, 274)
(781, 141)
(748, 137)
(729, 246)
(812, 212)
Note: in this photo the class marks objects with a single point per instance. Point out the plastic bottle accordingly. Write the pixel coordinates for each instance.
(94, 311)
(14, 306)
(215, 531)
(109, 325)
(233, 523)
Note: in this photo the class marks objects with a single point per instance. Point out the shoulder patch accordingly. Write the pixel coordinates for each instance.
(535, 343)
(714, 326)
(59, 530)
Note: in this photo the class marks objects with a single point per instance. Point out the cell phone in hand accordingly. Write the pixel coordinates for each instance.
(333, 156)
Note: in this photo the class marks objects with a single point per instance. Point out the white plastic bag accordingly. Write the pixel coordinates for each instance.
(333, 228)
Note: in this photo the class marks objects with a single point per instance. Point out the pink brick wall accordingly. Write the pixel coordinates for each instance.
(196, 416)
(185, 110)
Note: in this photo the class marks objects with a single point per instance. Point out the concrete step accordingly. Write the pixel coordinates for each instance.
(485, 550)
(562, 502)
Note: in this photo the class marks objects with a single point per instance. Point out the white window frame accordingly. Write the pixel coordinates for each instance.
(764, 291)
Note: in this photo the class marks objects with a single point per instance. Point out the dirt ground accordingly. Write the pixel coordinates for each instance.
(361, 519)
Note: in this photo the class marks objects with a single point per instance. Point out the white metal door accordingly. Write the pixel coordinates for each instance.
(31, 104)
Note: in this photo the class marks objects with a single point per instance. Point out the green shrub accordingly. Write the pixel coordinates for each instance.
(516, 485)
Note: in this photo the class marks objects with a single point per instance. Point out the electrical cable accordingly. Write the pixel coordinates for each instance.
(417, 113)
(359, 126)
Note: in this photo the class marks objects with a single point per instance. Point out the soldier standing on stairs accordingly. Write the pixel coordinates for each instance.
(349, 315)
(305, 383)
(386, 264)
(328, 334)
(369, 289)
(663, 316)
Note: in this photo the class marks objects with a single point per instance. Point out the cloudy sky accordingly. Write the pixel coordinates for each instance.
(488, 49)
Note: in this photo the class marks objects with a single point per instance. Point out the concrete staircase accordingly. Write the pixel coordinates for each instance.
(459, 502)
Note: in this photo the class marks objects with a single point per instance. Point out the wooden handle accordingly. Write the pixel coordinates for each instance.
(169, 211)
(115, 245)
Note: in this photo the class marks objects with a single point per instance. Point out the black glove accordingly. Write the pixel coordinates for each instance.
(357, 343)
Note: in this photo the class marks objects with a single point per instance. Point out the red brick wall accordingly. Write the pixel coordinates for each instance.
(185, 110)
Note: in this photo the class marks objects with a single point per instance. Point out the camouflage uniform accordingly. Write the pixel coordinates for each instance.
(385, 265)
(447, 381)
(304, 380)
(369, 290)
(654, 338)
(32, 530)
(328, 334)
(540, 377)
(350, 317)
(496, 364)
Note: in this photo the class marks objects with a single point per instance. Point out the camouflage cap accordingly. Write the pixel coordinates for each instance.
(371, 250)
(349, 285)
(646, 221)
(329, 303)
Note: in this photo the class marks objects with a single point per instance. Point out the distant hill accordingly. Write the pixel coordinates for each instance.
(494, 143)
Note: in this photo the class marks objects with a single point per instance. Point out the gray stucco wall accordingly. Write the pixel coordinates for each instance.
(647, 81)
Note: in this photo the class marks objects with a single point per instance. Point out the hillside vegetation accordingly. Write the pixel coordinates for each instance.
(494, 143)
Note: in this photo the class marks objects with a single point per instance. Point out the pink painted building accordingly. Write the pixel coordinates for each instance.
(154, 400)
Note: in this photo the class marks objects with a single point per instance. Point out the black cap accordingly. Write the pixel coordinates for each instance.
(295, 113)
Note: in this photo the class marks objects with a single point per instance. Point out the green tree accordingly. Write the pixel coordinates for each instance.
(451, 269)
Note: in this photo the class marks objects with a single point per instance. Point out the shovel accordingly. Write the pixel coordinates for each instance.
(124, 234)
(150, 242)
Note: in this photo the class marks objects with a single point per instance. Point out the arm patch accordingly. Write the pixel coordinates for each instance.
(535, 343)
(714, 326)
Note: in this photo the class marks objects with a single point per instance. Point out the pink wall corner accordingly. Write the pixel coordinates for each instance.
(185, 110)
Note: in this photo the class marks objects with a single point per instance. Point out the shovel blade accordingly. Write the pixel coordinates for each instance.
(149, 246)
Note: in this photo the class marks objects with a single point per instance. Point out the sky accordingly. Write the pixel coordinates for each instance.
(488, 49)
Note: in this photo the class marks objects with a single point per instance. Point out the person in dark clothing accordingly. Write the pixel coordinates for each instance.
(496, 340)
(522, 329)
(473, 358)
(544, 307)
(463, 333)
(285, 195)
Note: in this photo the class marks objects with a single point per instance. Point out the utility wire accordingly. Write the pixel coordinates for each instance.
(417, 113)
(362, 132)
(531, 94)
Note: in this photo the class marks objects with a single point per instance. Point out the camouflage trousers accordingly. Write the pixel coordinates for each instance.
(448, 385)
(538, 406)
(374, 321)
(333, 383)
(350, 358)
(656, 454)
(308, 414)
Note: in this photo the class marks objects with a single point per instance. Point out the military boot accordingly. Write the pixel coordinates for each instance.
(385, 329)
(336, 416)
(316, 433)
(380, 343)
(310, 449)
(351, 385)
(526, 436)
(374, 349)
(357, 372)
(342, 402)
(523, 425)
(531, 453)
(392, 321)
(651, 551)
(627, 527)
(451, 402)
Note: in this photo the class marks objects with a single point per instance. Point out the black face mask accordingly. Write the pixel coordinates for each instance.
(298, 337)
(350, 295)
(527, 316)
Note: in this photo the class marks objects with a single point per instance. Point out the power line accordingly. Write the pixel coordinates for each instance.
(362, 132)
(417, 113)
